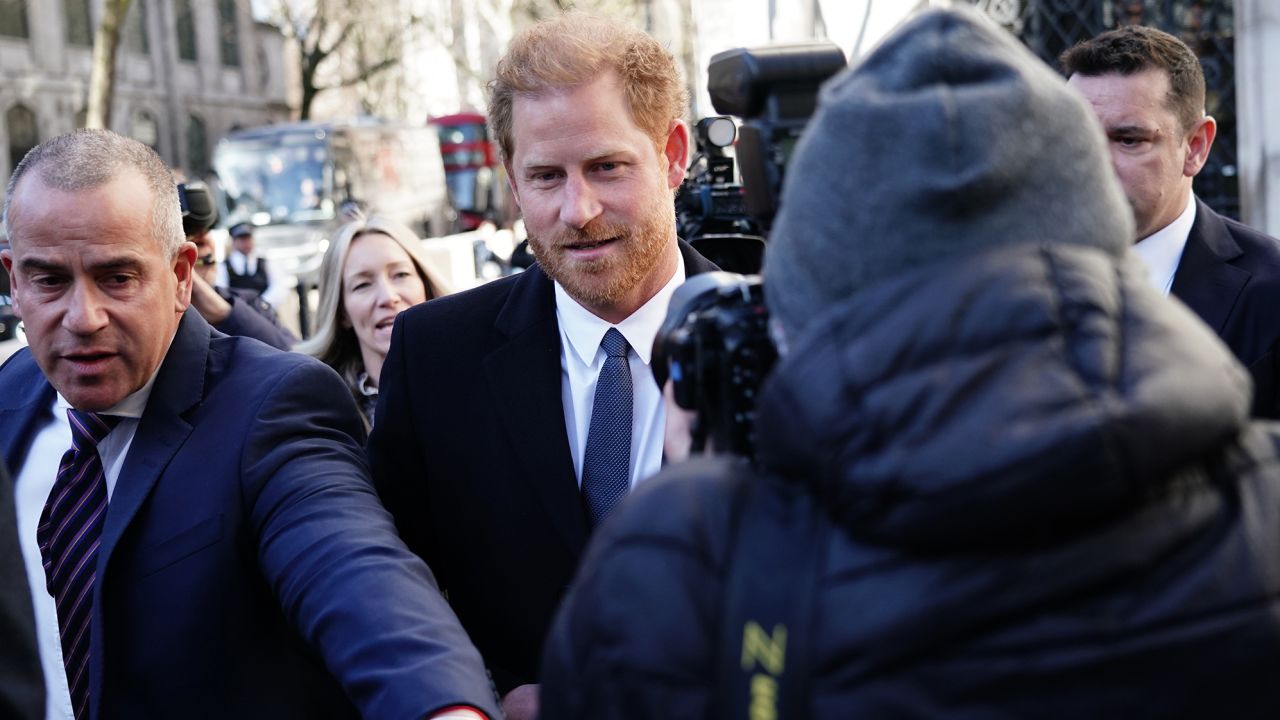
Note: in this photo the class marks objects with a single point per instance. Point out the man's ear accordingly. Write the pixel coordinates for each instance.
(1199, 143)
(6, 259)
(184, 262)
(676, 151)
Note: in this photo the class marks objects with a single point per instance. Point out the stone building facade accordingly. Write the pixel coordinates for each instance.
(187, 73)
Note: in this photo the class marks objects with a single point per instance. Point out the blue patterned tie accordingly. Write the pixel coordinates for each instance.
(606, 466)
(68, 534)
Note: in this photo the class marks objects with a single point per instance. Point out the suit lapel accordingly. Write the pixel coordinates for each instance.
(524, 374)
(179, 387)
(1205, 280)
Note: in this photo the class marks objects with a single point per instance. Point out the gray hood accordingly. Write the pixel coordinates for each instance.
(948, 139)
(1015, 393)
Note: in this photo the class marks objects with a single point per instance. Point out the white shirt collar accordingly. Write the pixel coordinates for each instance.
(243, 264)
(1161, 251)
(366, 388)
(585, 330)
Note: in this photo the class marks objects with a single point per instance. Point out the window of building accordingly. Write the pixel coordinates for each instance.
(197, 147)
(82, 117)
(229, 32)
(134, 35)
(76, 13)
(13, 18)
(144, 128)
(186, 30)
(21, 124)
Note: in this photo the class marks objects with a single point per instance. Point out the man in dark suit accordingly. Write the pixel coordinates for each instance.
(210, 545)
(514, 417)
(1147, 89)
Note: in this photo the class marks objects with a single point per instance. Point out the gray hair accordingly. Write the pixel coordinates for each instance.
(87, 159)
(333, 344)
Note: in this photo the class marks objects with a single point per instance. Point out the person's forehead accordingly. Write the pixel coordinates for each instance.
(90, 252)
(373, 248)
(122, 204)
(1146, 91)
(594, 118)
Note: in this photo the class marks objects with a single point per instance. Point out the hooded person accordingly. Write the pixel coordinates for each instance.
(1035, 486)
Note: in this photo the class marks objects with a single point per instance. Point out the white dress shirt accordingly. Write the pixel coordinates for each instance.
(581, 359)
(1161, 251)
(32, 485)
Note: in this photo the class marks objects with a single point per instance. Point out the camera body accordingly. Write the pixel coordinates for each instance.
(715, 344)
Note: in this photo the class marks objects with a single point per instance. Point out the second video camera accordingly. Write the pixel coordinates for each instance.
(715, 342)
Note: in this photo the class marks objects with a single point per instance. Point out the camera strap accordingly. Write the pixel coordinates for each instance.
(775, 567)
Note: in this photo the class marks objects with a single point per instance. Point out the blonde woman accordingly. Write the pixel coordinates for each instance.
(374, 269)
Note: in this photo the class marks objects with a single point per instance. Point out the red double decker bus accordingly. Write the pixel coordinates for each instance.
(472, 171)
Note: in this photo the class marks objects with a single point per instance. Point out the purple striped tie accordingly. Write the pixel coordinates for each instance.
(68, 534)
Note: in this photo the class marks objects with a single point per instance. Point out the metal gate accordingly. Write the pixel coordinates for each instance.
(1050, 26)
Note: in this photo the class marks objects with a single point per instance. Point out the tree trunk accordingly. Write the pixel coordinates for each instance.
(308, 96)
(102, 78)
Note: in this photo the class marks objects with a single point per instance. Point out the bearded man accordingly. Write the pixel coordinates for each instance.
(516, 416)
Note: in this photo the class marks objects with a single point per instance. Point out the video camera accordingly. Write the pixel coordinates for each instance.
(714, 343)
(198, 210)
(711, 205)
(774, 90)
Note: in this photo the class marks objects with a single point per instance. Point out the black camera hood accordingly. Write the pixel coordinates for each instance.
(198, 211)
(741, 81)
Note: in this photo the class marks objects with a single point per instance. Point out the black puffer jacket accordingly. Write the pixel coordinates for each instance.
(1047, 501)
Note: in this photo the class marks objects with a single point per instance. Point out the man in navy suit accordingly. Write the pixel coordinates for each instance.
(485, 449)
(212, 515)
(1147, 89)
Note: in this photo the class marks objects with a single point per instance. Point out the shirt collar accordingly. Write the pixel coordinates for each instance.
(362, 384)
(1161, 251)
(585, 330)
(243, 260)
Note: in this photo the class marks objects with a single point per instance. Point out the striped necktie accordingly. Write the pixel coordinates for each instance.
(606, 464)
(68, 535)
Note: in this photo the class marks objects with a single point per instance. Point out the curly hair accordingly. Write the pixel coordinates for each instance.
(575, 48)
